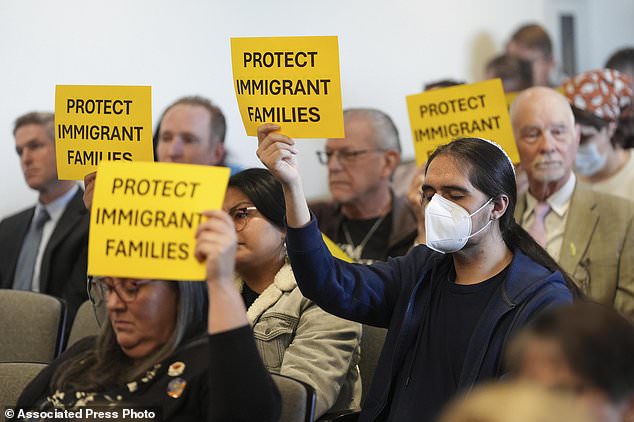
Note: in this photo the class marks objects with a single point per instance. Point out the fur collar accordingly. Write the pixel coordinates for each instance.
(283, 282)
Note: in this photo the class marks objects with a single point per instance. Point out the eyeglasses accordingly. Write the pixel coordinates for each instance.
(100, 288)
(240, 217)
(345, 157)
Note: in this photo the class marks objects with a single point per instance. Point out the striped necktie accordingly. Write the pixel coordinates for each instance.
(538, 228)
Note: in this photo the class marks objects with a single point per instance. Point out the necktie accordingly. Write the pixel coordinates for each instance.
(538, 228)
(28, 254)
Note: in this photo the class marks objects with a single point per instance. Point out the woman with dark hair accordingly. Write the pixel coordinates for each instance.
(295, 337)
(153, 351)
(449, 305)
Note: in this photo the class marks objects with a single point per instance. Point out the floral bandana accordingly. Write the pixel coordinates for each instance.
(606, 93)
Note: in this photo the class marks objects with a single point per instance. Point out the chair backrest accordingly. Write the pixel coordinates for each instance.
(14, 376)
(298, 399)
(372, 340)
(31, 326)
(84, 324)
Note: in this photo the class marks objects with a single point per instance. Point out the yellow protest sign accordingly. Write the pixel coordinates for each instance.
(510, 97)
(335, 250)
(144, 218)
(101, 123)
(291, 81)
(476, 110)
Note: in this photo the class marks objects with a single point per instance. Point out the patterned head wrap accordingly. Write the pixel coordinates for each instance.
(606, 93)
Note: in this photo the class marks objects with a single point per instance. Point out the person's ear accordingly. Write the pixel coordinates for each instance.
(283, 234)
(577, 133)
(611, 128)
(500, 205)
(219, 153)
(392, 160)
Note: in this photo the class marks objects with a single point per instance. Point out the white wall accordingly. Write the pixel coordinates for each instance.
(387, 50)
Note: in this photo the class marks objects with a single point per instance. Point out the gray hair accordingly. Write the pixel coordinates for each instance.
(106, 364)
(385, 131)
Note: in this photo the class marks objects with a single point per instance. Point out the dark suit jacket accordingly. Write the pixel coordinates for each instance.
(598, 246)
(63, 270)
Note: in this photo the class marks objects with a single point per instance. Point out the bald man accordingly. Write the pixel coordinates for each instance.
(590, 234)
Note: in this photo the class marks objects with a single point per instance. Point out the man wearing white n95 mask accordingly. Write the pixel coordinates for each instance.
(448, 225)
(448, 315)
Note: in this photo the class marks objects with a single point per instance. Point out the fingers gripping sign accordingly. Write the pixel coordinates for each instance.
(216, 244)
(278, 153)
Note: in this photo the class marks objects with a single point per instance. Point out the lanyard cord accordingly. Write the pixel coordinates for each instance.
(358, 249)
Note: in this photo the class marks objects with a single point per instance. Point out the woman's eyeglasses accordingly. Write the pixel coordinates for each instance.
(99, 289)
(241, 216)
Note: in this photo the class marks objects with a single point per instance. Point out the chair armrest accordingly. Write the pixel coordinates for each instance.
(349, 415)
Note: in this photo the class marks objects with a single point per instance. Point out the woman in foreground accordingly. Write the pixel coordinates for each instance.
(154, 352)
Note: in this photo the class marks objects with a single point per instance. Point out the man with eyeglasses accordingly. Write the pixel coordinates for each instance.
(365, 218)
(590, 234)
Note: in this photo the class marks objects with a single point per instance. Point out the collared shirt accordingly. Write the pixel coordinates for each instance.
(556, 219)
(55, 209)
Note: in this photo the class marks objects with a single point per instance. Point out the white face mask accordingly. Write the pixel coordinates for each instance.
(588, 160)
(448, 225)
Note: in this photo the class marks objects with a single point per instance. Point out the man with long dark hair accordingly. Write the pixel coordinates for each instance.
(449, 305)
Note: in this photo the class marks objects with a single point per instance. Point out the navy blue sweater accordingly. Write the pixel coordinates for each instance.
(389, 294)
